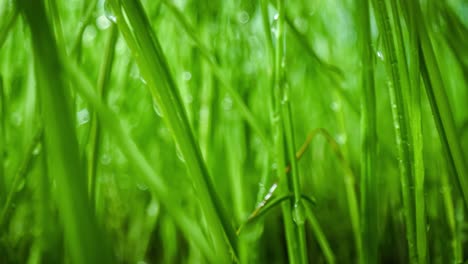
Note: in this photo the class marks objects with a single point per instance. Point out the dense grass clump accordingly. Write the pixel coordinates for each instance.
(184, 131)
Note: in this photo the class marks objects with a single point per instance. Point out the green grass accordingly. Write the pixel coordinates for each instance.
(184, 131)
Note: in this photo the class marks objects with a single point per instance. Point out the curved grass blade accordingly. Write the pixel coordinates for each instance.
(261, 211)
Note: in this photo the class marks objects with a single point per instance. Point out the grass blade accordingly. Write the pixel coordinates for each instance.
(136, 29)
(82, 234)
(368, 253)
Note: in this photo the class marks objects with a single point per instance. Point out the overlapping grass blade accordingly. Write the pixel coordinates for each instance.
(148, 54)
(84, 241)
(442, 112)
(399, 105)
(146, 173)
(368, 252)
(95, 135)
(217, 71)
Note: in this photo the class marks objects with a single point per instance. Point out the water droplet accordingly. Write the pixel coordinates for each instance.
(89, 34)
(298, 214)
(37, 149)
(341, 139)
(301, 24)
(156, 109)
(243, 17)
(335, 106)
(274, 166)
(106, 159)
(82, 116)
(227, 103)
(142, 186)
(276, 16)
(103, 22)
(143, 80)
(380, 55)
(188, 98)
(153, 209)
(179, 154)
(16, 119)
(108, 13)
(186, 76)
(21, 185)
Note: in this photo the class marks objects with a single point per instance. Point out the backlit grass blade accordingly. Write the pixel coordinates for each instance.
(83, 239)
(153, 66)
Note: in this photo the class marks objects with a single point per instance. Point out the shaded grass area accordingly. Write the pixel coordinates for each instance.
(233, 131)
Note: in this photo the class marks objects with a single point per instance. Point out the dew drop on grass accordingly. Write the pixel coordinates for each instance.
(243, 17)
(186, 76)
(298, 213)
(142, 186)
(108, 13)
(89, 34)
(156, 109)
(274, 166)
(37, 149)
(301, 24)
(21, 185)
(103, 22)
(341, 139)
(380, 55)
(179, 154)
(335, 106)
(16, 119)
(105, 159)
(274, 23)
(82, 116)
(188, 98)
(153, 209)
(227, 103)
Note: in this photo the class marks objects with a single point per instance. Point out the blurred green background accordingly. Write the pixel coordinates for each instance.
(218, 53)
